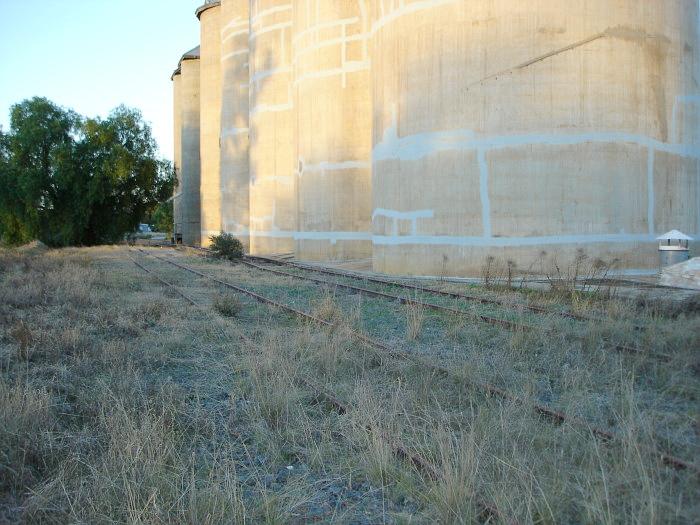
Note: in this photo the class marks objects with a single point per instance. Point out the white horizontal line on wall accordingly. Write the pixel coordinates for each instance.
(333, 237)
(420, 145)
(348, 67)
(407, 10)
(449, 240)
(277, 9)
(333, 166)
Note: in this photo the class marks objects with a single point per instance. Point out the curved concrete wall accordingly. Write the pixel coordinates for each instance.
(509, 128)
(333, 123)
(210, 92)
(234, 118)
(273, 200)
(190, 143)
(177, 153)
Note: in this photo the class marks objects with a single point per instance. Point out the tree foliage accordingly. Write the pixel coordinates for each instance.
(69, 180)
(162, 218)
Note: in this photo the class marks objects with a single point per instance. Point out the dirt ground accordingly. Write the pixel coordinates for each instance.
(120, 401)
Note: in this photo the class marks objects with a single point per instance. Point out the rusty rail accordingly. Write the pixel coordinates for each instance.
(550, 413)
(434, 291)
(510, 325)
(487, 510)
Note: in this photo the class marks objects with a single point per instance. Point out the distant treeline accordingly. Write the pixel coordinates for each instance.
(70, 180)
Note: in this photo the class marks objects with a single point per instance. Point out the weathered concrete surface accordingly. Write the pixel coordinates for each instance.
(190, 162)
(273, 199)
(210, 92)
(509, 128)
(685, 274)
(235, 174)
(333, 122)
(177, 152)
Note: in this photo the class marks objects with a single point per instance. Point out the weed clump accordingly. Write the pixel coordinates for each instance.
(228, 305)
(226, 246)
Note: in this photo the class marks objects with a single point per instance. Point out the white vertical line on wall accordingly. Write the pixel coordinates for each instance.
(650, 190)
(343, 54)
(484, 192)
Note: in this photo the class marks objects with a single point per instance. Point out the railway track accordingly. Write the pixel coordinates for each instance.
(434, 291)
(486, 388)
(412, 287)
(510, 325)
(487, 510)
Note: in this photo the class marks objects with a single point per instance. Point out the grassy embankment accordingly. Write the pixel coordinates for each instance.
(119, 402)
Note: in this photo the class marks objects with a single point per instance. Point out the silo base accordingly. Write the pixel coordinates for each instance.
(476, 261)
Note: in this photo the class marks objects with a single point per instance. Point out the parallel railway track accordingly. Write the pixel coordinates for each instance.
(487, 388)
(487, 510)
(510, 325)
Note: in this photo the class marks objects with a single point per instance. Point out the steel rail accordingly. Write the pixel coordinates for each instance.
(163, 281)
(511, 325)
(544, 410)
(487, 509)
(435, 291)
(429, 290)
(401, 451)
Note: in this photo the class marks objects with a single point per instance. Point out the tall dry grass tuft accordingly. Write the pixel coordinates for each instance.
(273, 380)
(455, 491)
(415, 318)
(27, 423)
(327, 308)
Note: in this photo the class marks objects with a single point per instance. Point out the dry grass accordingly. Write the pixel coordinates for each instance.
(228, 305)
(415, 317)
(119, 402)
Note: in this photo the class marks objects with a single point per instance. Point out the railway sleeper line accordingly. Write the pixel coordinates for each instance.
(546, 411)
(510, 325)
(454, 295)
(400, 450)
(434, 291)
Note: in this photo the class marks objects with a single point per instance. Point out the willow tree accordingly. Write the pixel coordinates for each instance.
(70, 180)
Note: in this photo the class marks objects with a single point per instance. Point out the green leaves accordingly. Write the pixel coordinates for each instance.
(69, 180)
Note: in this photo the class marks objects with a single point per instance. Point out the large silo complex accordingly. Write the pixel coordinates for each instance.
(210, 119)
(333, 125)
(509, 128)
(235, 174)
(177, 152)
(441, 136)
(273, 198)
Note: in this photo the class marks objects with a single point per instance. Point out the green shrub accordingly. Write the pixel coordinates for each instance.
(226, 246)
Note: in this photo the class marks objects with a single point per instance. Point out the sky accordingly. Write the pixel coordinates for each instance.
(93, 55)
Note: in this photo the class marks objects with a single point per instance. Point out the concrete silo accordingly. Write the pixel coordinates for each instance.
(189, 146)
(210, 119)
(508, 128)
(273, 199)
(334, 128)
(235, 177)
(177, 152)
